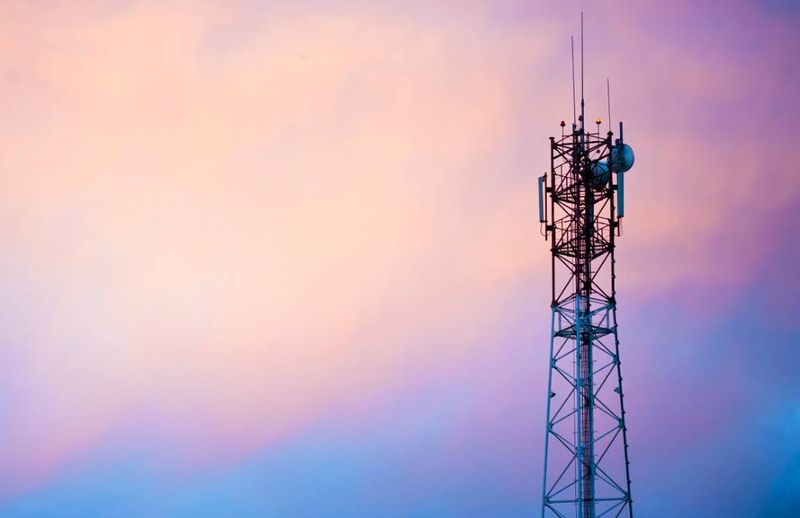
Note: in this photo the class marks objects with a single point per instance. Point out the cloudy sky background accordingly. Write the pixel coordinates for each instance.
(281, 258)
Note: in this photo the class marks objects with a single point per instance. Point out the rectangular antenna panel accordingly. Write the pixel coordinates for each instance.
(542, 217)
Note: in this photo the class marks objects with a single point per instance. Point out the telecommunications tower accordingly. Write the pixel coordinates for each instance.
(581, 203)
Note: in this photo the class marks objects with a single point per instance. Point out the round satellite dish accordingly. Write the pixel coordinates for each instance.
(622, 158)
(600, 174)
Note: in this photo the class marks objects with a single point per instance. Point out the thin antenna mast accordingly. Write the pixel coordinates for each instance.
(574, 110)
(583, 115)
(608, 95)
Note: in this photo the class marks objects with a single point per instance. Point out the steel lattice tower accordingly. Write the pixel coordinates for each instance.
(586, 468)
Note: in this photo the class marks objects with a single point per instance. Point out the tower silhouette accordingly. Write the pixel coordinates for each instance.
(581, 203)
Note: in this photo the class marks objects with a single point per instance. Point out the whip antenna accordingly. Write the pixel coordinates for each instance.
(574, 110)
(583, 115)
(608, 95)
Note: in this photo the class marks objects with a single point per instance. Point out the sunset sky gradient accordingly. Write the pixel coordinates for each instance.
(282, 258)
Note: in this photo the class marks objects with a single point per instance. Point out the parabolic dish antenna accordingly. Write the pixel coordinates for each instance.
(622, 158)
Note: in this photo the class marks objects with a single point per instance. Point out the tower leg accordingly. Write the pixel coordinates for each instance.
(549, 398)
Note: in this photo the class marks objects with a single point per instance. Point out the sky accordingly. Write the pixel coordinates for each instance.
(283, 258)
